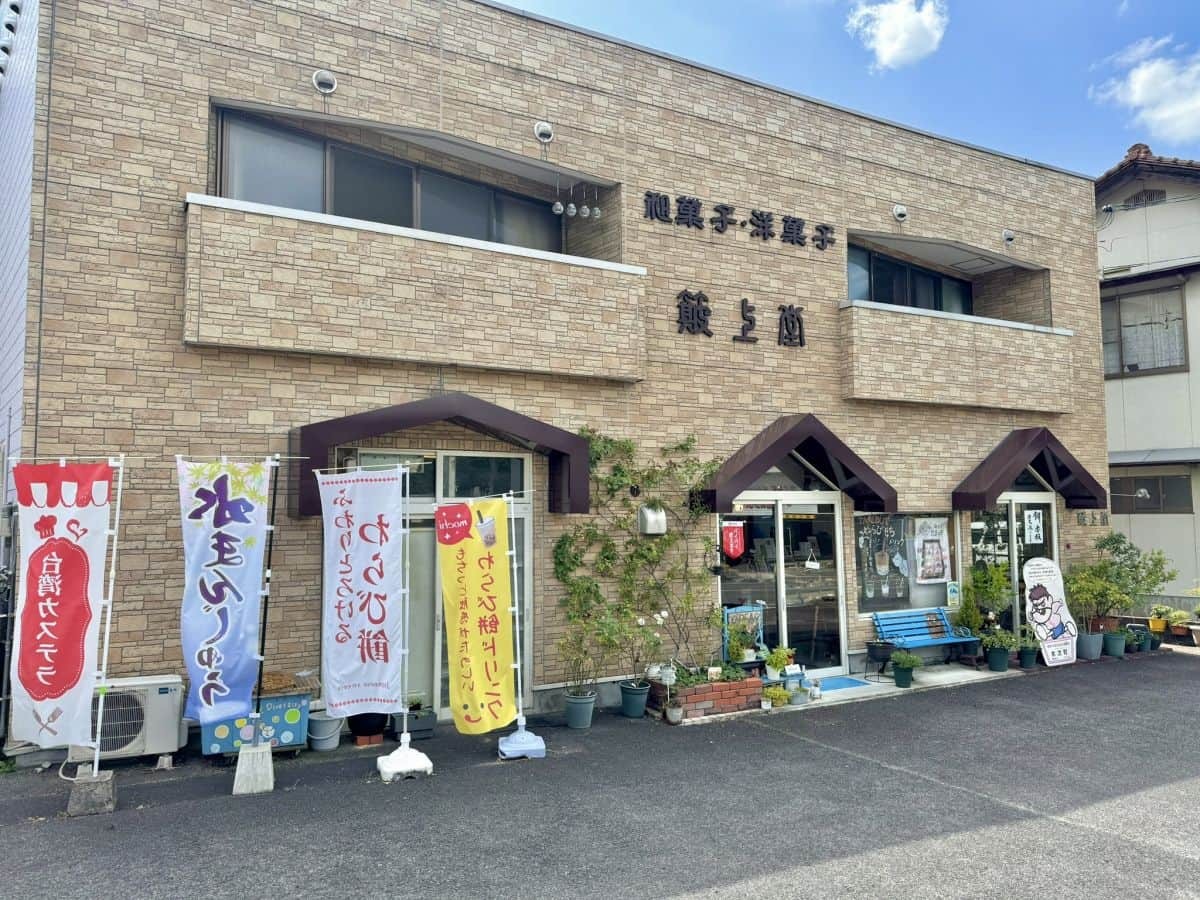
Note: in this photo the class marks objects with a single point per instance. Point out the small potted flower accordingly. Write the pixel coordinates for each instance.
(777, 694)
(903, 664)
(1027, 651)
(1159, 613)
(1177, 619)
(776, 661)
(999, 644)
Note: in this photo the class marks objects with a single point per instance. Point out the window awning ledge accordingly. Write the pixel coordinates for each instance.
(1037, 448)
(567, 453)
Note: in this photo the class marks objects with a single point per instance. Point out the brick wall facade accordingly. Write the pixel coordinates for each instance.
(131, 132)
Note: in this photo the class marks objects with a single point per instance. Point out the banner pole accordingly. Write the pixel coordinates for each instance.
(406, 606)
(102, 675)
(520, 743)
(273, 462)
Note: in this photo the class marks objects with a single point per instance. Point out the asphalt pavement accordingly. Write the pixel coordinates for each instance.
(1077, 782)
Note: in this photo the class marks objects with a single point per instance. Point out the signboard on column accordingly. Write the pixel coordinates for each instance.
(477, 598)
(64, 520)
(362, 646)
(224, 508)
(1046, 610)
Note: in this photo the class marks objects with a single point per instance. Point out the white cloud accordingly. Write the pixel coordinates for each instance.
(1123, 7)
(899, 32)
(1160, 86)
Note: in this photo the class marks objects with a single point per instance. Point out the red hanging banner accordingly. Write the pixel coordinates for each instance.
(733, 539)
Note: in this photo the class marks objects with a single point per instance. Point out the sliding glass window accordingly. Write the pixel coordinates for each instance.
(883, 279)
(263, 162)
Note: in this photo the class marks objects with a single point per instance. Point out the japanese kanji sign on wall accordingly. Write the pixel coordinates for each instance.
(362, 646)
(224, 506)
(1047, 611)
(64, 516)
(477, 598)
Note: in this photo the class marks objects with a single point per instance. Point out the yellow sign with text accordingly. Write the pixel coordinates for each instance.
(477, 598)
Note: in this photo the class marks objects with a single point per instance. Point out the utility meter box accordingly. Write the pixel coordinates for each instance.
(652, 521)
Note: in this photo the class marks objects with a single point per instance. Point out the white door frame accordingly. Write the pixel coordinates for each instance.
(787, 498)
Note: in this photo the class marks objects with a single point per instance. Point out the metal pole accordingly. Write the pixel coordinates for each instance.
(516, 607)
(406, 606)
(102, 675)
(273, 462)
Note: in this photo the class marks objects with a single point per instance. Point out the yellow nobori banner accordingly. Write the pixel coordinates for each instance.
(473, 543)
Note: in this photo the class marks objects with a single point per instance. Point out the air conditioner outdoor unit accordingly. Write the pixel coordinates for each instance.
(142, 717)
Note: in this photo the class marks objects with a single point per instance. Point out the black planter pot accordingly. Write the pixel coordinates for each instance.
(880, 651)
(1028, 657)
(367, 724)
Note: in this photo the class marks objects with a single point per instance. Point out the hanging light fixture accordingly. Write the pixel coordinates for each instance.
(571, 203)
(584, 210)
(557, 208)
(596, 204)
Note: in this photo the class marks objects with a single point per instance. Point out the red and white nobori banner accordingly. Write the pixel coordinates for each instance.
(64, 517)
(733, 539)
(362, 641)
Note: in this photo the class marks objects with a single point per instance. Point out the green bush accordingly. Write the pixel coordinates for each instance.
(989, 587)
(1001, 638)
(778, 696)
(902, 659)
(777, 658)
(968, 615)
(1029, 639)
(1178, 616)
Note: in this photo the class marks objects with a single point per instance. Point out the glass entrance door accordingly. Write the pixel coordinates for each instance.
(1031, 522)
(792, 567)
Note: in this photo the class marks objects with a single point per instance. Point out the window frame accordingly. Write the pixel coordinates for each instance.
(909, 269)
(1116, 298)
(953, 538)
(327, 181)
(1129, 503)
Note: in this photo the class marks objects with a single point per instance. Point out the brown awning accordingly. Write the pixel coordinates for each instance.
(1041, 450)
(806, 437)
(567, 452)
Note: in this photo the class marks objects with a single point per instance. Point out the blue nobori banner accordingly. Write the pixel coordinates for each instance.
(225, 508)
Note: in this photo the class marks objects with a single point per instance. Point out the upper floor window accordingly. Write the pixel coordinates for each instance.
(267, 163)
(883, 279)
(1143, 332)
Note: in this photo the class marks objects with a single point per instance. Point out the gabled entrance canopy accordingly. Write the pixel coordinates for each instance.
(567, 452)
(784, 443)
(1039, 449)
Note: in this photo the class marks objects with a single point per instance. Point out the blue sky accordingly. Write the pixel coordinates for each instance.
(1068, 82)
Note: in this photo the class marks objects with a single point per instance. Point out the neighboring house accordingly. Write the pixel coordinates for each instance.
(1148, 231)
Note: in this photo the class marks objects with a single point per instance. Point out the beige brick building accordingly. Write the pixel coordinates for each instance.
(219, 254)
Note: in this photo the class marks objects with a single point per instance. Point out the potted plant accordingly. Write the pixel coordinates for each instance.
(1158, 617)
(1177, 621)
(1114, 643)
(741, 645)
(989, 589)
(1089, 590)
(777, 694)
(632, 637)
(903, 664)
(1133, 640)
(798, 697)
(584, 659)
(970, 617)
(673, 712)
(880, 652)
(998, 644)
(776, 662)
(1027, 651)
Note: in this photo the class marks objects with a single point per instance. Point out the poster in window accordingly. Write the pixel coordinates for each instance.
(932, 550)
(1033, 527)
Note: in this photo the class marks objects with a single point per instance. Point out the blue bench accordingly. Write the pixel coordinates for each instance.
(911, 629)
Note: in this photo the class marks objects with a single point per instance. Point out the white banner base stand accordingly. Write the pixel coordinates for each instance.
(522, 743)
(255, 770)
(403, 762)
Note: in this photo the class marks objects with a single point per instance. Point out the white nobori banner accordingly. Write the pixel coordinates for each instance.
(363, 639)
(64, 517)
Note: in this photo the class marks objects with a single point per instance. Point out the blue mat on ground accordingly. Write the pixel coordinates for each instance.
(840, 681)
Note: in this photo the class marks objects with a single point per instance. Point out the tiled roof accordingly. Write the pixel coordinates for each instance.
(1140, 159)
